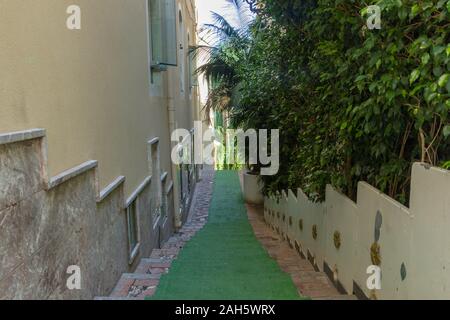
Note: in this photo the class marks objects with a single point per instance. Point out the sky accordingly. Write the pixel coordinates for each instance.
(205, 7)
(222, 7)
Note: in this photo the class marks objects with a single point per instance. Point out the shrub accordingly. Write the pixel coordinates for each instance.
(351, 103)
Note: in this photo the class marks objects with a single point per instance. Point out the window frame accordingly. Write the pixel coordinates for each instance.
(154, 77)
(155, 71)
(165, 32)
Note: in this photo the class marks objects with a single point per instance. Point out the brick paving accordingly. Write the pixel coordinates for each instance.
(144, 281)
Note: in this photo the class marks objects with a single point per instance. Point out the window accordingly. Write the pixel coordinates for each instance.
(162, 41)
(182, 54)
(163, 36)
(133, 229)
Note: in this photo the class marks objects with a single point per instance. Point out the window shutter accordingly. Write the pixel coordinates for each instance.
(163, 32)
(193, 79)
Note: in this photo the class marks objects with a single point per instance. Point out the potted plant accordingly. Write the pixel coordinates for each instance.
(252, 185)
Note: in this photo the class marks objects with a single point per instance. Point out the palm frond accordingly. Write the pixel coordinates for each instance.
(221, 27)
(227, 43)
(217, 71)
(242, 14)
(218, 100)
(203, 51)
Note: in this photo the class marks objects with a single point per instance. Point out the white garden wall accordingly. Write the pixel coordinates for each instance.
(430, 247)
(341, 218)
(343, 238)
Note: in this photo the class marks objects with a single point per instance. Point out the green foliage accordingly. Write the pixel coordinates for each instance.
(351, 103)
(446, 165)
(222, 162)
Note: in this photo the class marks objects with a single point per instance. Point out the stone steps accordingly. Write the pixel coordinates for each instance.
(144, 281)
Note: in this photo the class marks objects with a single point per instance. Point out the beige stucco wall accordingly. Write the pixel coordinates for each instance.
(88, 88)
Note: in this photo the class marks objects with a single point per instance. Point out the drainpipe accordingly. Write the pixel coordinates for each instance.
(171, 109)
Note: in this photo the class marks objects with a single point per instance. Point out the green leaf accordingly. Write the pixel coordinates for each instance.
(446, 165)
(443, 80)
(440, 4)
(430, 96)
(403, 13)
(424, 44)
(414, 76)
(425, 58)
(433, 87)
(437, 71)
(446, 131)
(378, 65)
(438, 50)
(415, 10)
(344, 125)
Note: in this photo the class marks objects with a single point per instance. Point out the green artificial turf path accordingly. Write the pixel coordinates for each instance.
(224, 260)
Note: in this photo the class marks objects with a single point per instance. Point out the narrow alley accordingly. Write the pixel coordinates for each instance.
(226, 251)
